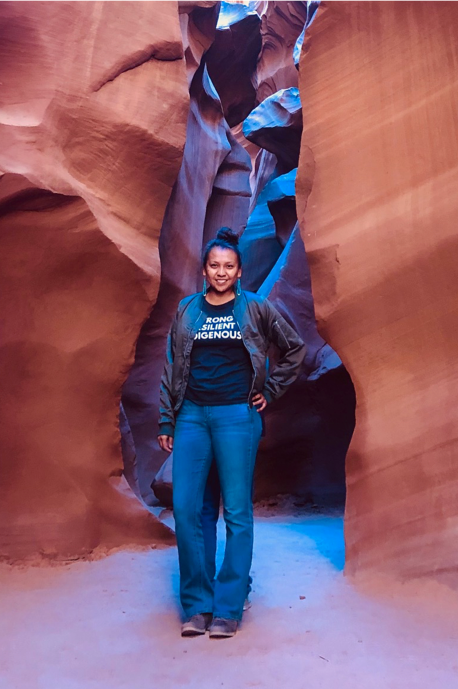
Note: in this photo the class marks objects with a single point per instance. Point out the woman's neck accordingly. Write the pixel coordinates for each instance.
(217, 299)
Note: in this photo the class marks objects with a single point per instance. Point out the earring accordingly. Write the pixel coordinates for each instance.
(238, 290)
(204, 288)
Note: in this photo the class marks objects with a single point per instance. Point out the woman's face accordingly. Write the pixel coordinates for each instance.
(222, 269)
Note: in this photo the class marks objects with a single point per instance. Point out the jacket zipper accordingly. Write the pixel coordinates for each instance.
(281, 332)
(187, 352)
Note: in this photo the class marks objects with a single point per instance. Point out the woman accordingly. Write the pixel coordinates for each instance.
(214, 385)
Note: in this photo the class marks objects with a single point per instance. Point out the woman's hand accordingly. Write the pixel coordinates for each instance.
(165, 442)
(259, 401)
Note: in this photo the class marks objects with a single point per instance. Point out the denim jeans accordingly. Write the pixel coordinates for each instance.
(230, 434)
(210, 516)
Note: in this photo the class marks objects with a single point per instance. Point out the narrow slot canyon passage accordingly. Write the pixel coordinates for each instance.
(239, 169)
(130, 132)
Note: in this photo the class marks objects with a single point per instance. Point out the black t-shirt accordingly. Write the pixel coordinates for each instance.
(221, 371)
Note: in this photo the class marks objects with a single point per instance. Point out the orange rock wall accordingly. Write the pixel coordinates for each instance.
(379, 92)
(93, 116)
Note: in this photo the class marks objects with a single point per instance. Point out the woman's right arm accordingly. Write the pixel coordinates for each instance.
(166, 411)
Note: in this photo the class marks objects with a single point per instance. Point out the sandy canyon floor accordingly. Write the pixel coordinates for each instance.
(114, 623)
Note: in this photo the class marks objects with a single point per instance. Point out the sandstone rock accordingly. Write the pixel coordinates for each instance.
(276, 125)
(162, 484)
(212, 189)
(92, 128)
(282, 205)
(198, 25)
(380, 233)
(232, 62)
(282, 23)
(308, 429)
(259, 243)
(300, 453)
(71, 316)
(288, 288)
(129, 453)
(299, 46)
(89, 93)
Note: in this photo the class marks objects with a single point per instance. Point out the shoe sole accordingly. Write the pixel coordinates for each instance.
(192, 632)
(221, 635)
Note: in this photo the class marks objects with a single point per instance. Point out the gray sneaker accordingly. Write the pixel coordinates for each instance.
(221, 628)
(196, 625)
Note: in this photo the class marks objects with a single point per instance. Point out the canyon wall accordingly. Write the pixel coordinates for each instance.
(125, 142)
(93, 115)
(378, 83)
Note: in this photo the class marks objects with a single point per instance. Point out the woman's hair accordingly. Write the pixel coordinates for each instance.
(225, 239)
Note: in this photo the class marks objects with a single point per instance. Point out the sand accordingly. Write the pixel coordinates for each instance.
(114, 623)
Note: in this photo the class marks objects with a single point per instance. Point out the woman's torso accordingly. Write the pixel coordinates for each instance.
(220, 369)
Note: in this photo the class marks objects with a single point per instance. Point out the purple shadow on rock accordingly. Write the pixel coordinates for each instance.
(308, 430)
(215, 168)
(276, 125)
(232, 60)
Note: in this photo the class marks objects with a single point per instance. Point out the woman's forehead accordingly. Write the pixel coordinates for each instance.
(218, 253)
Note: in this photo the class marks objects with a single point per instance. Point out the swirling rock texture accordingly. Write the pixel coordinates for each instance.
(299, 454)
(309, 429)
(93, 119)
(232, 61)
(282, 24)
(212, 189)
(276, 126)
(119, 160)
(378, 87)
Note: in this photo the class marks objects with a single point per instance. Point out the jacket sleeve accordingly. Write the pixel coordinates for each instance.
(292, 353)
(166, 411)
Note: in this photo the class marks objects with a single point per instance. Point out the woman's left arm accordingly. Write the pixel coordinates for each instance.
(292, 353)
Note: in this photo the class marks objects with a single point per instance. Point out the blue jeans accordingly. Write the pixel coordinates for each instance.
(230, 434)
(210, 516)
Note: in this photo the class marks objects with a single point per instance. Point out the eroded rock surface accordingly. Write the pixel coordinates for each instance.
(92, 128)
(300, 453)
(232, 61)
(276, 125)
(72, 313)
(212, 189)
(310, 427)
(282, 24)
(380, 233)
(98, 101)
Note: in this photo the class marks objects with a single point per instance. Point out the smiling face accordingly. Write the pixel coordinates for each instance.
(222, 269)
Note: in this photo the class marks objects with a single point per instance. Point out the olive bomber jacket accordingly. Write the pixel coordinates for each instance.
(261, 325)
